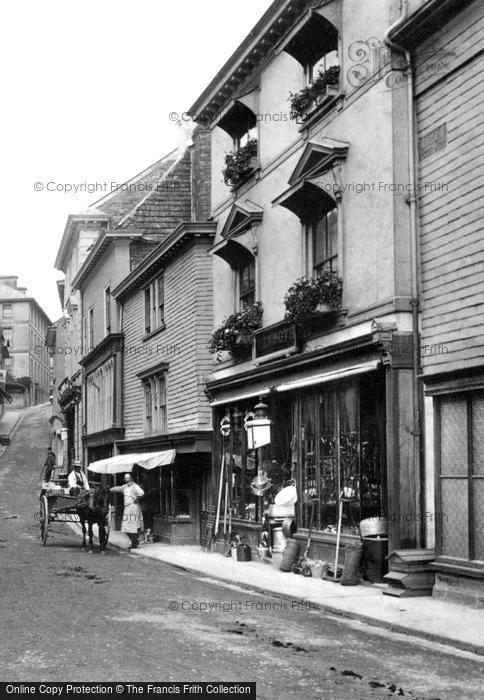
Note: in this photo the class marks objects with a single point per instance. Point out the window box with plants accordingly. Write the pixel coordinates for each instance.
(236, 333)
(319, 295)
(325, 87)
(240, 164)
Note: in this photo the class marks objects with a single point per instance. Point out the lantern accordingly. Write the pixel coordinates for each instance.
(258, 426)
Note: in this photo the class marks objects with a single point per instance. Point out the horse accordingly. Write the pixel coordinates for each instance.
(93, 507)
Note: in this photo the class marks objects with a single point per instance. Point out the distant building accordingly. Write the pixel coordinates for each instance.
(24, 325)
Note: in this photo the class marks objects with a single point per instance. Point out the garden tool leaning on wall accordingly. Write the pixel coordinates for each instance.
(302, 566)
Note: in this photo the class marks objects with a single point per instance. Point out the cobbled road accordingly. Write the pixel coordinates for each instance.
(66, 615)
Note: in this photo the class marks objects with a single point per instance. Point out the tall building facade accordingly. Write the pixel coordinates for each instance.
(24, 325)
(314, 275)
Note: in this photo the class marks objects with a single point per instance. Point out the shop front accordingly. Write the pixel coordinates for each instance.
(176, 494)
(327, 438)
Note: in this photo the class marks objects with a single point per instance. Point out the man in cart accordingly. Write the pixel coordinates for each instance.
(77, 479)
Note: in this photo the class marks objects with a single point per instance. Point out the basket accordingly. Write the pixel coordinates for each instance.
(316, 568)
(374, 526)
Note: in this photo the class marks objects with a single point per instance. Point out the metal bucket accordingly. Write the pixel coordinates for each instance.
(375, 565)
(244, 552)
(290, 555)
(278, 540)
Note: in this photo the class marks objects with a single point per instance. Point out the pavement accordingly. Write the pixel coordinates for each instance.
(447, 623)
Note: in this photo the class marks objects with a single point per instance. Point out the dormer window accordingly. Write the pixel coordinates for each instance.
(315, 46)
(250, 134)
(240, 122)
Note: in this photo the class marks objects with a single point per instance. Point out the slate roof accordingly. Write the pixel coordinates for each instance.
(120, 202)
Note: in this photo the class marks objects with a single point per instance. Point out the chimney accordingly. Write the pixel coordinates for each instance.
(22, 289)
(9, 280)
(201, 173)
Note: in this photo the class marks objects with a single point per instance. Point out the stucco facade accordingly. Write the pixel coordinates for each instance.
(346, 153)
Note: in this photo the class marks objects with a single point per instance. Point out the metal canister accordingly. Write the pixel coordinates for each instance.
(278, 540)
(244, 552)
(290, 555)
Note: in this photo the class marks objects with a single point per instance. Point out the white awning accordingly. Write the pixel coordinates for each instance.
(241, 397)
(329, 376)
(124, 463)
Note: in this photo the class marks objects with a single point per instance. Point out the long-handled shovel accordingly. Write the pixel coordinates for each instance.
(219, 499)
(338, 538)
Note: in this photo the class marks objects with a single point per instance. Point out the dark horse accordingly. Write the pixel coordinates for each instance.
(93, 507)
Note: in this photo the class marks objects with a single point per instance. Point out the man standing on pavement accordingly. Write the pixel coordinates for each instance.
(132, 515)
(49, 464)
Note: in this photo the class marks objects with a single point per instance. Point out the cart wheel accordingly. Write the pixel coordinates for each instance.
(44, 519)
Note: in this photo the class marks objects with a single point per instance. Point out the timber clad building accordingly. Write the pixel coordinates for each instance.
(447, 46)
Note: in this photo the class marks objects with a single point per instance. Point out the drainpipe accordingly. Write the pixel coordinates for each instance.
(412, 202)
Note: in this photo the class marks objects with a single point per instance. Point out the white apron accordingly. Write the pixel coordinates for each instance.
(132, 515)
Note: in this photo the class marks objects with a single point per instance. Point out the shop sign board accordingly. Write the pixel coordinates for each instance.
(275, 341)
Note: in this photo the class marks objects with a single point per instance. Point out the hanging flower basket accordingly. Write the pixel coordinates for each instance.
(240, 164)
(306, 296)
(236, 333)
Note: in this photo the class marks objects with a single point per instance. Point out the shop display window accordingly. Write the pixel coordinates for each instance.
(342, 453)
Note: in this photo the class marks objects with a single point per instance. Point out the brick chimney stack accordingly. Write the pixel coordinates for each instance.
(9, 280)
(201, 173)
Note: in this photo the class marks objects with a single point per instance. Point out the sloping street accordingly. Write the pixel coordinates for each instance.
(68, 615)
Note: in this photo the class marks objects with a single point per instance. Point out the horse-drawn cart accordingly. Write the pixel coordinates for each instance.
(59, 504)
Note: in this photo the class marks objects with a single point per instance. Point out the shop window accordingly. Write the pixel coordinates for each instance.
(460, 534)
(243, 464)
(154, 303)
(322, 243)
(342, 450)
